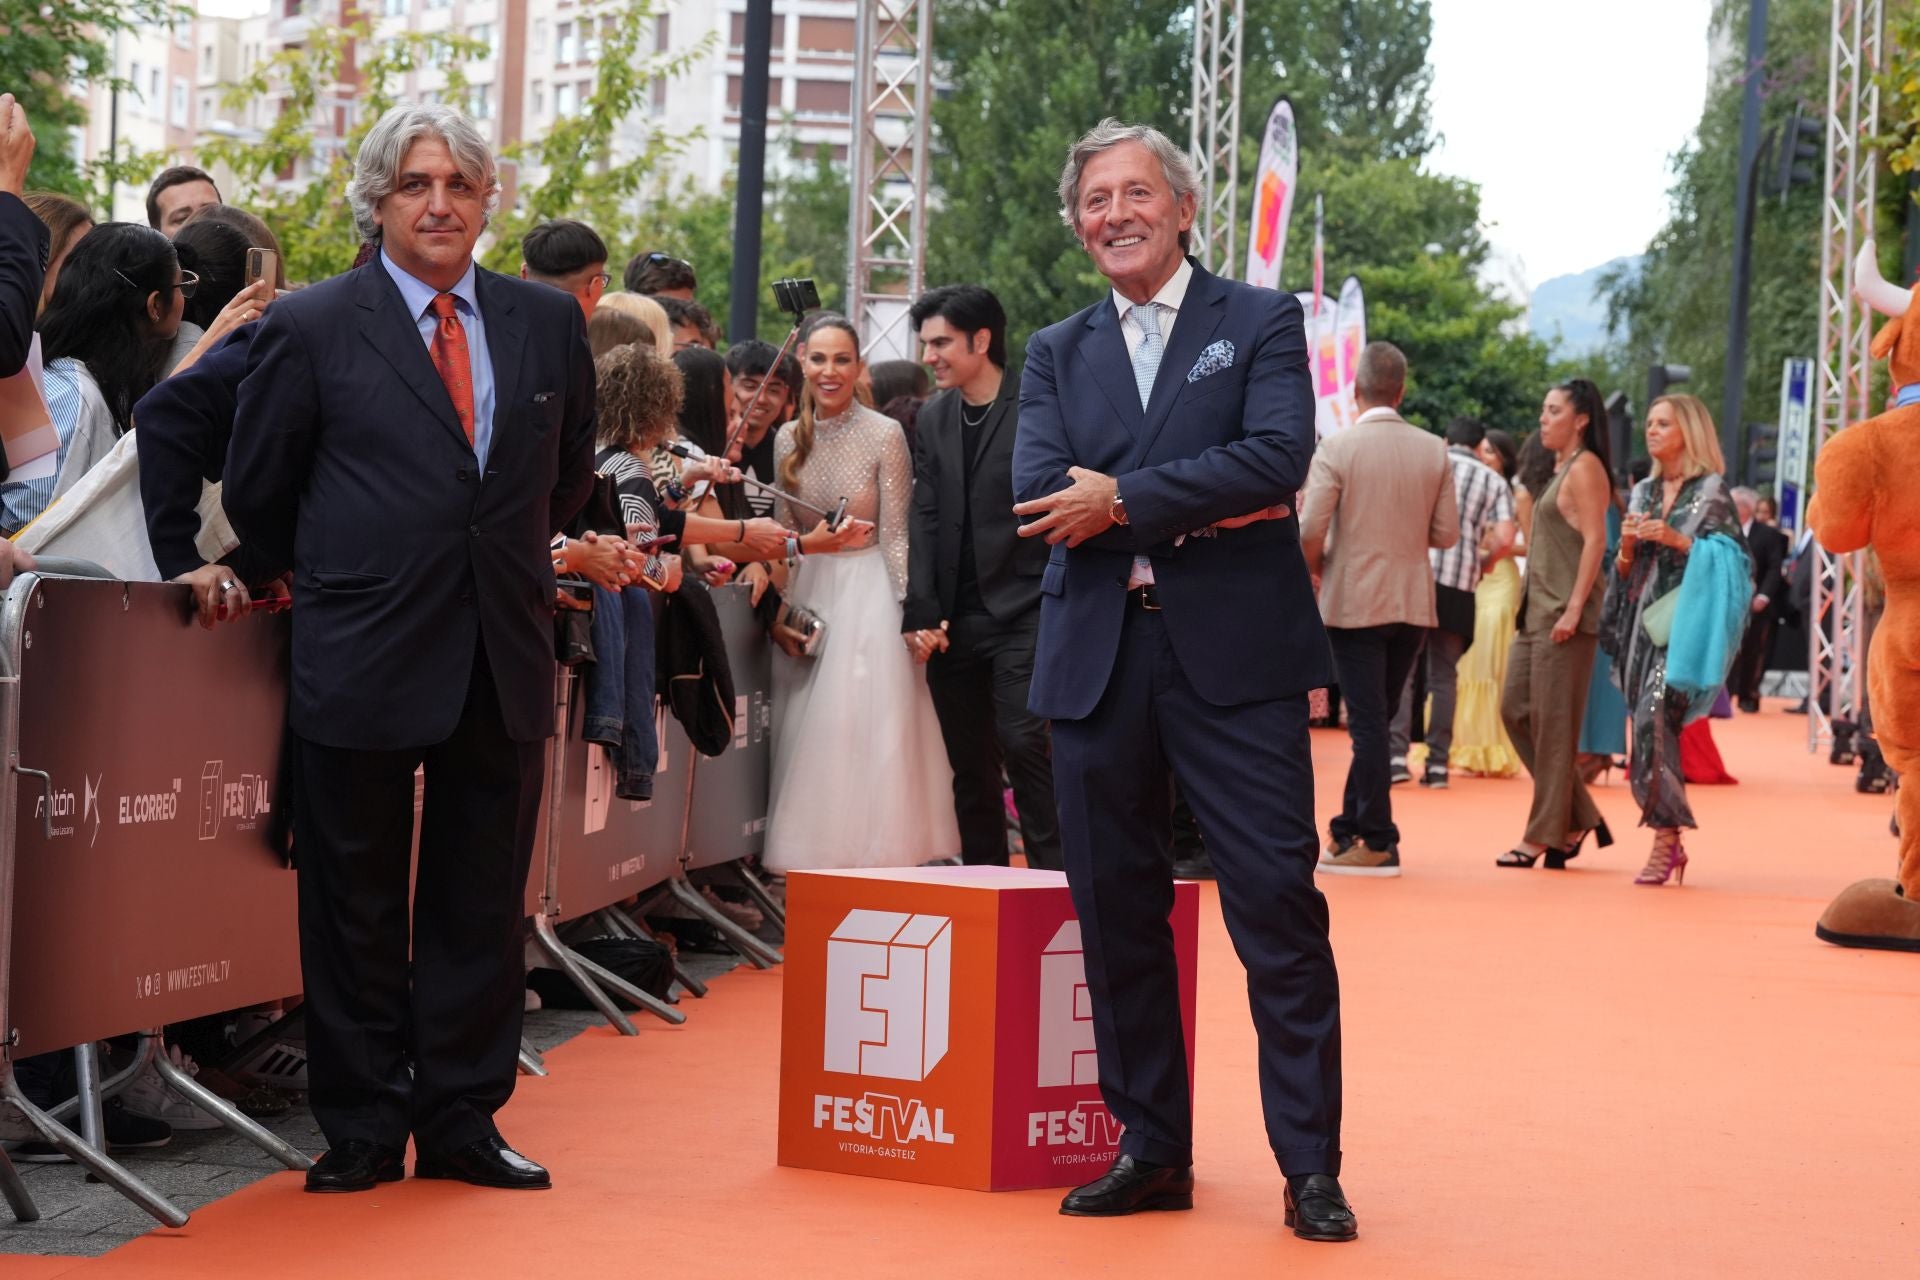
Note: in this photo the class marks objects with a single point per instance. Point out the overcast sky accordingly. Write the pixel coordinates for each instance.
(1565, 114)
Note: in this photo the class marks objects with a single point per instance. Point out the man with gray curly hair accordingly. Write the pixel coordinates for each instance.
(1163, 432)
(408, 437)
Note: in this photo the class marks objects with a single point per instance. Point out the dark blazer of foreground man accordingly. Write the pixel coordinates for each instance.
(422, 636)
(1204, 673)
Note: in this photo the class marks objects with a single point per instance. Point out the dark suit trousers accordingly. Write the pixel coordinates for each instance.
(1248, 772)
(428, 1048)
(1373, 664)
(1750, 664)
(979, 688)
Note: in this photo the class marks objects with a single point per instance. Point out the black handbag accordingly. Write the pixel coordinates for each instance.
(1454, 609)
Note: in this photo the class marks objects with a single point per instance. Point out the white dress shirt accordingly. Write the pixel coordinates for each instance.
(1171, 295)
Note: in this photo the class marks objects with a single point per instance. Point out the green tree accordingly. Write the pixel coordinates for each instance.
(592, 166)
(45, 50)
(803, 233)
(1464, 357)
(312, 220)
(1026, 78)
(1674, 308)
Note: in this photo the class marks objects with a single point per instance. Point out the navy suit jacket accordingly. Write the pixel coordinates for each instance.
(1238, 607)
(348, 463)
(186, 424)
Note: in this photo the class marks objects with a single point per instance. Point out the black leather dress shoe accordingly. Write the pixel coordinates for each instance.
(489, 1162)
(1317, 1208)
(1131, 1186)
(355, 1165)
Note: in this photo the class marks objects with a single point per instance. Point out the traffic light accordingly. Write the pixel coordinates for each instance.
(1662, 376)
(1802, 141)
(1619, 433)
(1763, 455)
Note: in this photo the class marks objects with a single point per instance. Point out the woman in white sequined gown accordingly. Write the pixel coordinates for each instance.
(860, 773)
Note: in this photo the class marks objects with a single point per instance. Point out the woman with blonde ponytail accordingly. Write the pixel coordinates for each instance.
(860, 773)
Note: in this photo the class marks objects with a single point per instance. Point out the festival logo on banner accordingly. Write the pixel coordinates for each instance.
(1273, 187)
(1350, 338)
(1323, 358)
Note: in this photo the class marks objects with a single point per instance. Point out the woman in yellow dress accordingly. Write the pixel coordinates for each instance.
(1480, 742)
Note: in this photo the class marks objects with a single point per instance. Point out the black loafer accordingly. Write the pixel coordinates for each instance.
(489, 1162)
(356, 1165)
(1317, 1208)
(1131, 1186)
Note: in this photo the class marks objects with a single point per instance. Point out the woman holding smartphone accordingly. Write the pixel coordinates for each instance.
(860, 773)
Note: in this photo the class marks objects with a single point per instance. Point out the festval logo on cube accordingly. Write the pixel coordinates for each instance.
(888, 977)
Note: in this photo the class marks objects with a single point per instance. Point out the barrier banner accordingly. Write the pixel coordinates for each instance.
(731, 789)
(611, 848)
(936, 1027)
(157, 897)
(1273, 186)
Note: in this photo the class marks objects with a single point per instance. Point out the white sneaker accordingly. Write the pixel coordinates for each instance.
(152, 1097)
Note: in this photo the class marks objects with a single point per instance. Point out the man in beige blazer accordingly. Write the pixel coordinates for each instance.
(1379, 494)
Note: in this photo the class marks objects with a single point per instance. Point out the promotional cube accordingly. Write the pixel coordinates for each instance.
(937, 1027)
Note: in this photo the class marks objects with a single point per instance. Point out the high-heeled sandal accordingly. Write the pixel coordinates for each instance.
(1593, 767)
(1517, 858)
(1557, 859)
(1667, 861)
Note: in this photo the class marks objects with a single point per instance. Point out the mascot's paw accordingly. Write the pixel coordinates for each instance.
(1871, 914)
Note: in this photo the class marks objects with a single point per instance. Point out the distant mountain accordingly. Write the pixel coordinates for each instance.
(1566, 313)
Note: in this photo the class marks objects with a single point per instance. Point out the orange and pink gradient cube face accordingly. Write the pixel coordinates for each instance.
(937, 1027)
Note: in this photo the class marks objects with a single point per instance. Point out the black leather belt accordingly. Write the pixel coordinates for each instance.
(1146, 596)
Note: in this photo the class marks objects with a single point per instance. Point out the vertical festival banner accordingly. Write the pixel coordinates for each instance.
(1273, 185)
(1323, 359)
(1350, 336)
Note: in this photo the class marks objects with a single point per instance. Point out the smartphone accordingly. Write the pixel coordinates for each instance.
(654, 544)
(262, 264)
(796, 297)
(838, 515)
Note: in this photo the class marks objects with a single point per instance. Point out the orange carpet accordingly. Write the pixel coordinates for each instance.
(1548, 1075)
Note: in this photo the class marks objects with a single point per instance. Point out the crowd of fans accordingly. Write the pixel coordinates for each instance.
(719, 462)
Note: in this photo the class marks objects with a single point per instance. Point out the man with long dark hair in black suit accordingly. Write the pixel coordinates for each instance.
(973, 591)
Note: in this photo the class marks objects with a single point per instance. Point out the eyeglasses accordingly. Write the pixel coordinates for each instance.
(189, 281)
(605, 279)
(662, 259)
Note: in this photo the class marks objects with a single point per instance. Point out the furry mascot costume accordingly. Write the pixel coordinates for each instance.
(1862, 497)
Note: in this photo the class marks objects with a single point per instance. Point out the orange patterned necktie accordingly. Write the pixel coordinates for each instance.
(451, 359)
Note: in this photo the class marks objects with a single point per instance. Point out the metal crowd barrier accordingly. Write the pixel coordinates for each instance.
(138, 883)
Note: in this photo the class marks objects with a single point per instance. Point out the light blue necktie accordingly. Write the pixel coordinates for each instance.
(1146, 356)
(1146, 363)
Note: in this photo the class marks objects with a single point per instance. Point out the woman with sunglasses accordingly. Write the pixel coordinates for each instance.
(104, 339)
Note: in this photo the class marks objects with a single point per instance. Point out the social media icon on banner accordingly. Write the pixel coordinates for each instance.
(888, 988)
(1066, 1013)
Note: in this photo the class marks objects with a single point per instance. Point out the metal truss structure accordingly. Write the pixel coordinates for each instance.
(1837, 626)
(892, 98)
(1215, 147)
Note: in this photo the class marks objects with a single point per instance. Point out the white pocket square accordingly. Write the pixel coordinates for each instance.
(1215, 358)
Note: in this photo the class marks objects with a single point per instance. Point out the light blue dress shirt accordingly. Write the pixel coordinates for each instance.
(419, 296)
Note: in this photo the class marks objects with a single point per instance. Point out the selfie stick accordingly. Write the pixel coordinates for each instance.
(681, 449)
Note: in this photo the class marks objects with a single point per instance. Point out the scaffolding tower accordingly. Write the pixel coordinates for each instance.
(1836, 627)
(1215, 146)
(892, 97)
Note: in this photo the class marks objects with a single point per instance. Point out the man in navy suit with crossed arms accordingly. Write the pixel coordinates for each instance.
(1163, 433)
